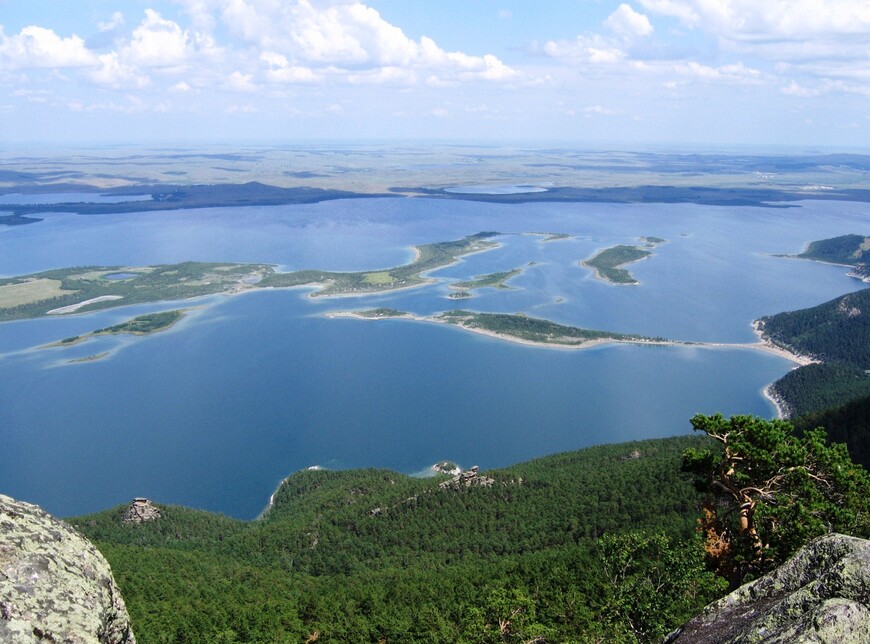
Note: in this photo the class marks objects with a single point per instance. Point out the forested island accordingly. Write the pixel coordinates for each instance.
(140, 325)
(516, 327)
(491, 280)
(608, 263)
(520, 327)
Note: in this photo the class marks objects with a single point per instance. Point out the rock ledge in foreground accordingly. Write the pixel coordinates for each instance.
(55, 586)
(822, 594)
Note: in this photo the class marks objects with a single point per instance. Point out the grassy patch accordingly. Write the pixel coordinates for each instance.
(380, 277)
(30, 291)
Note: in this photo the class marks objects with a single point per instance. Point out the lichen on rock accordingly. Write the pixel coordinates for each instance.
(822, 594)
(55, 586)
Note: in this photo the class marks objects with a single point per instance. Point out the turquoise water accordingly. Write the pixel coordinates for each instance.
(248, 389)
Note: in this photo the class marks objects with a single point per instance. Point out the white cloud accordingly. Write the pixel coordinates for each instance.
(157, 42)
(692, 70)
(115, 73)
(116, 21)
(737, 73)
(794, 89)
(383, 75)
(281, 71)
(626, 21)
(596, 49)
(180, 87)
(39, 47)
(599, 110)
(343, 34)
(752, 19)
(247, 108)
(593, 49)
(821, 39)
(239, 82)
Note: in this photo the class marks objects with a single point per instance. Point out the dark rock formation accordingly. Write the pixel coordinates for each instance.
(140, 511)
(55, 586)
(822, 594)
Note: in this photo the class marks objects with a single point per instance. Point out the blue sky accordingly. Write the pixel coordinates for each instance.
(576, 72)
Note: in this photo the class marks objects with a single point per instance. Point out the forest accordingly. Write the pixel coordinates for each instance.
(600, 544)
(835, 333)
(366, 555)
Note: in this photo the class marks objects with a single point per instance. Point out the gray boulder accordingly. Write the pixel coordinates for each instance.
(55, 586)
(822, 594)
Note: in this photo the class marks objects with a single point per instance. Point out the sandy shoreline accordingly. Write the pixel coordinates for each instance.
(75, 307)
(762, 345)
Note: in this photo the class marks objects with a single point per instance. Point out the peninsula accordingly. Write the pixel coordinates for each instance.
(846, 250)
(85, 289)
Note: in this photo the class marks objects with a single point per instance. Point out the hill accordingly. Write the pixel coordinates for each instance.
(845, 249)
(837, 333)
(506, 555)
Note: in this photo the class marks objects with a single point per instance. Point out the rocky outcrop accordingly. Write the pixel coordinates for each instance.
(861, 272)
(55, 586)
(140, 511)
(822, 594)
(468, 478)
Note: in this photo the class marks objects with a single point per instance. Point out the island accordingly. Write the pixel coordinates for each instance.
(140, 325)
(606, 263)
(91, 288)
(492, 280)
(522, 328)
(368, 314)
(516, 327)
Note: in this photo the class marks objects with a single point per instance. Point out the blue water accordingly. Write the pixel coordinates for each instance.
(248, 389)
(119, 276)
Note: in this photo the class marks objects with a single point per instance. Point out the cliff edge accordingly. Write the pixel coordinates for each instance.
(55, 586)
(822, 594)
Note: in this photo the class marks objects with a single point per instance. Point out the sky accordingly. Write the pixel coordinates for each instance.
(568, 72)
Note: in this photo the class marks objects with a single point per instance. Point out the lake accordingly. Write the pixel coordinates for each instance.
(248, 389)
